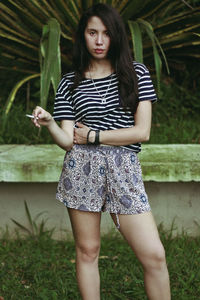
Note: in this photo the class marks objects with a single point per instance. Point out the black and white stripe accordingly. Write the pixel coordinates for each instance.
(85, 104)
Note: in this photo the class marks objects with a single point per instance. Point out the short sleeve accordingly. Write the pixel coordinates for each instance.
(63, 108)
(146, 89)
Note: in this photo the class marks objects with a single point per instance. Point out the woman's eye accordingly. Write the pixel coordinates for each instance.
(107, 33)
(92, 33)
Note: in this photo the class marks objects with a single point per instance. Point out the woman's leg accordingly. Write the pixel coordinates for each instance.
(141, 233)
(86, 230)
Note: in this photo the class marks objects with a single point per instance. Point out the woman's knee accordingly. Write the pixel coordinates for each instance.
(154, 259)
(88, 252)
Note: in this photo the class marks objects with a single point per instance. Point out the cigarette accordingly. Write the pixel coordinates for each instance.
(31, 116)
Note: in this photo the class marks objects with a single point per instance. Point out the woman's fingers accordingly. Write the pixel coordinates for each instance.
(39, 112)
(41, 117)
(36, 113)
(80, 134)
(80, 125)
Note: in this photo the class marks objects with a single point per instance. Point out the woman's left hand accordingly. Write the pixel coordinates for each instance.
(80, 134)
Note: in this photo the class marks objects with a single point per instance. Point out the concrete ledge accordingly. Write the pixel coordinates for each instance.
(43, 163)
(171, 163)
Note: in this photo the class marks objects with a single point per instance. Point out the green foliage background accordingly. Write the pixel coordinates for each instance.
(174, 23)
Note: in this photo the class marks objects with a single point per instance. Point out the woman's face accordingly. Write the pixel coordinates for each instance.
(97, 38)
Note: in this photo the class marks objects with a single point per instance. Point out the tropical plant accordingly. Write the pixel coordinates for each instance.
(154, 25)
(50, 64)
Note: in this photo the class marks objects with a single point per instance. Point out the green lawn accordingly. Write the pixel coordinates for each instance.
(43, 268)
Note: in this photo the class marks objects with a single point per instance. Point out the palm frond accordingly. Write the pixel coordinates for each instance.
(171, 27)
(50, 62)
(136, 36)
(15, 89)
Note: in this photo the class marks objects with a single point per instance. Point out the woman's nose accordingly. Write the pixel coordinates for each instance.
(99, 39)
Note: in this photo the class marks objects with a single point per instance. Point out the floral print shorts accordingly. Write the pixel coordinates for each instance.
(102, 178)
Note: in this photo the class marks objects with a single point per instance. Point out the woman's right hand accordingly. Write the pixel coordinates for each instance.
(41, 117)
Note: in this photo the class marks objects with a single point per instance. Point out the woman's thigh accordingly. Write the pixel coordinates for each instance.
(86, 228)
(142, 235)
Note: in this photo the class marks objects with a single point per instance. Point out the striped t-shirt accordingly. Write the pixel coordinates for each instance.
(85, 105)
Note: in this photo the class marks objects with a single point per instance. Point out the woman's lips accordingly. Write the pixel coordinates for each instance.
(98, 51)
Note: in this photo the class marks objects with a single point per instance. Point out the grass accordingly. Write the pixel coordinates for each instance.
(45, 269)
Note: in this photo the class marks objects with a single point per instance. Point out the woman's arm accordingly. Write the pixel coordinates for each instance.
(63, 136)
(140, 132)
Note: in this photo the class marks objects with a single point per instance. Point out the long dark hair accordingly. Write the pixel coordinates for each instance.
(118, 54)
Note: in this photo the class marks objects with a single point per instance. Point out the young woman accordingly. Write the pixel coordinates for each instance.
(104, 106)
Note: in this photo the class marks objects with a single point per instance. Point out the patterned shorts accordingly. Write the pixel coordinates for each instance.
(102, 178)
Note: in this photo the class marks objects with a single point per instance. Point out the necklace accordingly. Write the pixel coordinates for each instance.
(103, 97)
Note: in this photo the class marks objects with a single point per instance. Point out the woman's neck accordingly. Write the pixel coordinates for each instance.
(99, 69)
